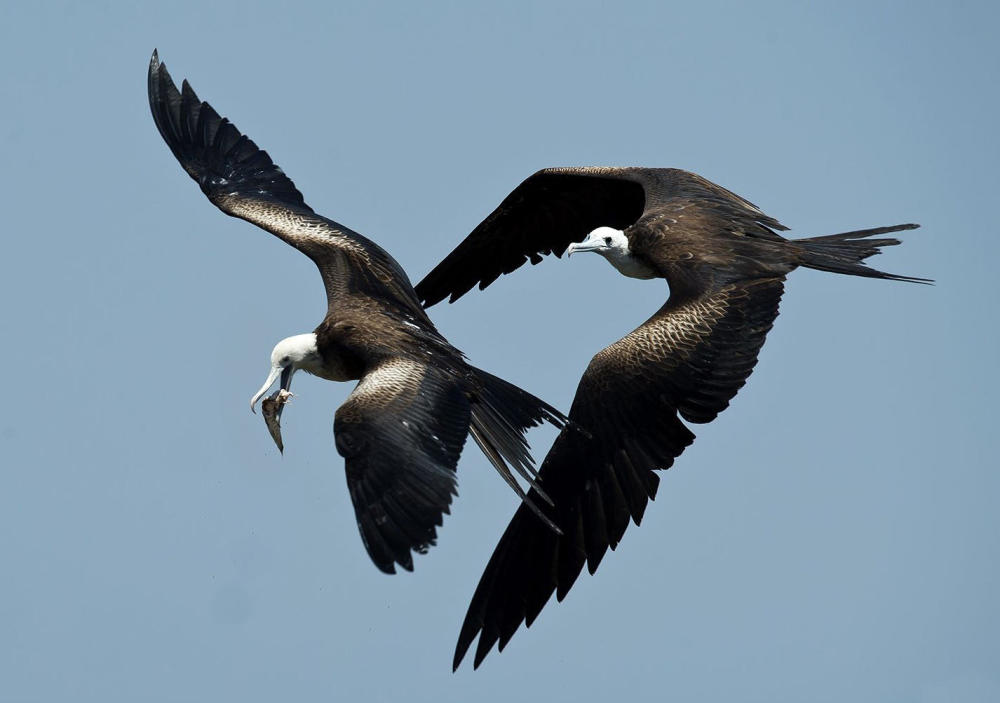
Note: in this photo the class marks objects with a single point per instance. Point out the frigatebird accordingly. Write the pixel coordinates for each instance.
(725, 265)
(403, 427)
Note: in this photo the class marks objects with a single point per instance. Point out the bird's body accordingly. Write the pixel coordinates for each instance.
(725, 264)
(402, 429)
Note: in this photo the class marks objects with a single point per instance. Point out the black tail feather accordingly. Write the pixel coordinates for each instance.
(500, 417)
(844, 252)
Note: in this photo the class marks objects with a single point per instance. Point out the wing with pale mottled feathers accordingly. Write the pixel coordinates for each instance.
(240, 179)
(687, 361)
(401, 432)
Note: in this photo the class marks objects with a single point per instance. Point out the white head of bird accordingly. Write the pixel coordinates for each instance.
(290, 355)
(613, 245)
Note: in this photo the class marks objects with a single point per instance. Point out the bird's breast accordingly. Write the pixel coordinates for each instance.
(339, 363)
(336, 368)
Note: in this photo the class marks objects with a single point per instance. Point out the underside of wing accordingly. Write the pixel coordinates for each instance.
(241, 180)
(401, 433)
(688, 360)
(224, 162)
(543, 215)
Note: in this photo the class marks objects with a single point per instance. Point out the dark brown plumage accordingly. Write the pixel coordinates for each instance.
(402, 429)
(725, 264)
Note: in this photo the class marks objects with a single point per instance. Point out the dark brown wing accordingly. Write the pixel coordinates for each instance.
(401, 432)
(548, 211)
(688, 360)
(558, 206)
(240, 179)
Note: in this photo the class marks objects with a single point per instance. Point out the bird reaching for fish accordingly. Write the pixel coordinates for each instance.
(404, 425)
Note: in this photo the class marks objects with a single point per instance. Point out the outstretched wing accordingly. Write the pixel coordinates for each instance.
(545, 214)
(558, 206)
(401, 432)
(240, 179)
(687, 361)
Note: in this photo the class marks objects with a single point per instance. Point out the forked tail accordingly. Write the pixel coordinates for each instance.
(844, 252)
(500, 417)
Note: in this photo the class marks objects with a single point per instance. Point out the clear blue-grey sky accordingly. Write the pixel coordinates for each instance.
(833, 536)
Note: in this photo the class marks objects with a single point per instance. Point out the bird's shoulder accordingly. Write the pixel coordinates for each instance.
(376, 329)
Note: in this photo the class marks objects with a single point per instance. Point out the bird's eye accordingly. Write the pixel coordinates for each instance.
(285, 360)
(607, 241)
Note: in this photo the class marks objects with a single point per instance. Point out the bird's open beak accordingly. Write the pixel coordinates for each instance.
(286, 381)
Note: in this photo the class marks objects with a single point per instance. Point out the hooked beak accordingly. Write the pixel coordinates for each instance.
(286, 381)
(586, 245)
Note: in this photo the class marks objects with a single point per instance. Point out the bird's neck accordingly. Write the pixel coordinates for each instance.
(628, 264)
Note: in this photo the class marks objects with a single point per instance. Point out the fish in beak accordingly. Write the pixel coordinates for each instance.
(270, 409)
(286, 382)
(272, 406)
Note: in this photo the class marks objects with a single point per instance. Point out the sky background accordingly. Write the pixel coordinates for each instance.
(833, 536)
